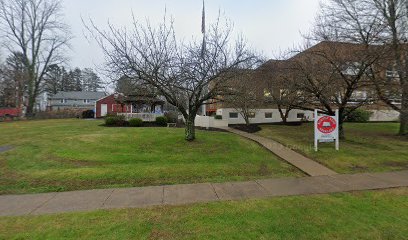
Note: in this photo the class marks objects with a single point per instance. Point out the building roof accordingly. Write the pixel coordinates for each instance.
(78, 95)
(143, 99)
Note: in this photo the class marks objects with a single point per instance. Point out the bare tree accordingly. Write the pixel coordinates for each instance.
(339, 69)
(187, 74)
(35, 28)
(281, 87)
(335, 74)
(394, 16)
(244, 94)
(375, 22)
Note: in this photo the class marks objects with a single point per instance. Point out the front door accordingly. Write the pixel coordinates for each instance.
(104, 110)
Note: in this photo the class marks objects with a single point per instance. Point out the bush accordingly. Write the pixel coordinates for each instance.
(161, 121)
(110, 121)
(135, 122)
(88, 114)
(218, 117)
(359, 115)
(118, 121)
(58, 114)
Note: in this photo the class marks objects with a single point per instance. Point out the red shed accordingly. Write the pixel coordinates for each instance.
(109, 105)
(136, 106)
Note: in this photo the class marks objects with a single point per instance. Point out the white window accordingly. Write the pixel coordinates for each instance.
(352, 69)
(233, 115)
(268, 115)
(63, 100)
(360, 95)
(391, 74)
(300, 116)
(86, 100)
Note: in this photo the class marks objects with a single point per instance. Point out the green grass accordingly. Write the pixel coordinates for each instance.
(62, 155)
(365, 215)
(369, 147)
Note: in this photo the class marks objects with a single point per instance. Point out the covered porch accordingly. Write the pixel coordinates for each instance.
(146, 108)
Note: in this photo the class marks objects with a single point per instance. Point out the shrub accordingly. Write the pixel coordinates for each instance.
(359, 115)
(88, 114)
(110, 121)
(118, 121)
(58, 114)
(111, 115)
(135, 122)
(218, 117)
(161, 121)
(121, 121)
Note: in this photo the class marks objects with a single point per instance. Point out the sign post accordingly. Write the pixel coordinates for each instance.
(326, 129)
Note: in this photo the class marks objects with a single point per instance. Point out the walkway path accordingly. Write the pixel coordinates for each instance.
(305, 164)
(47, 203)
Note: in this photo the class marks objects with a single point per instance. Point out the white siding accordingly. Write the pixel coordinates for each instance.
(260, 116)
(384, 116)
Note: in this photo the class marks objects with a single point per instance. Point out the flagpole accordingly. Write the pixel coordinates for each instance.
(203, 49)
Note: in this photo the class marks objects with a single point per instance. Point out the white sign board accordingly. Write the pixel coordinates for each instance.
(326, 129)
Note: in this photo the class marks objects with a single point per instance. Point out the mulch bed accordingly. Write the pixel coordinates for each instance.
(249, 129)
(253, 128)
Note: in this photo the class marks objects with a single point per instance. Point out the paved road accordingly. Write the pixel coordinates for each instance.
(78, 201)
(308, 166)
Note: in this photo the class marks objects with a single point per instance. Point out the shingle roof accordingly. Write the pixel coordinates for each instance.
(78, 95)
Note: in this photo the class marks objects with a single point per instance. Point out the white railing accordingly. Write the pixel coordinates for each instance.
(210, 122)
(146, 117)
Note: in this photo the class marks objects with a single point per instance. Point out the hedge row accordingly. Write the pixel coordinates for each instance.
(119, 121)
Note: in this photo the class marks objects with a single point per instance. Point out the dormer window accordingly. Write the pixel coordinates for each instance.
(352, 69)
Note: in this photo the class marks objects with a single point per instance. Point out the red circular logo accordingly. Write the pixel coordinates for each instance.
(326, 124)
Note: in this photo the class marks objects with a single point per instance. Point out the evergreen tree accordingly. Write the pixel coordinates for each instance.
(53, 79)
(91, 81)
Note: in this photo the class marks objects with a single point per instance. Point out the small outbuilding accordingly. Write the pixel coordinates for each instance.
(146, 108)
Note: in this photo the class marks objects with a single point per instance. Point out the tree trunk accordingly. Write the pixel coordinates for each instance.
(283, 115)
(404, 111)
(190, 129)
(286, 116)
(247, 122)
(342, 134)
(31, 93)
(30, 106)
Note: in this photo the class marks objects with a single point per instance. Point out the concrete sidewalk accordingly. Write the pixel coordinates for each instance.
(303, 163)
(77, 201)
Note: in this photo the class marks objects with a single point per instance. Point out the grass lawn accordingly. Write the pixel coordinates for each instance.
(369, 147)
(62, 155)
(365, 215)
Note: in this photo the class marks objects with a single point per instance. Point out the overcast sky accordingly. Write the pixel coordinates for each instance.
(269, 25)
